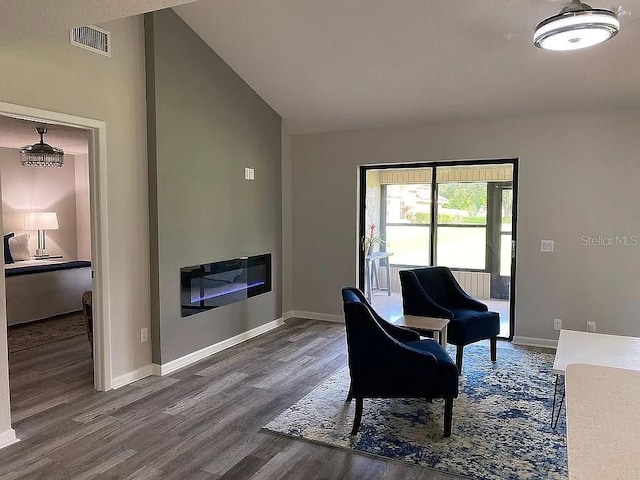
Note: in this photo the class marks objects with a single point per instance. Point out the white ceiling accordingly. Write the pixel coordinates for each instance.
(31, 19)
(15, 133)
(339, 64)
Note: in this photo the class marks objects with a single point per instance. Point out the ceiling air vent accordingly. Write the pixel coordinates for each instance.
(91, 38)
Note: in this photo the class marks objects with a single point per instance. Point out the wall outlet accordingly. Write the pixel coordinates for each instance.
(144, 335)
(557, 324)
(591, 327)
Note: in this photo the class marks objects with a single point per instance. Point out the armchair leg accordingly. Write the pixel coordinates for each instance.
(358, 418)
(448, 416)
(494, 348)
(459, 358)
(350, 394)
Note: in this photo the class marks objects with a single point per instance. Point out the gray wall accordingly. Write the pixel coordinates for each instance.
(111, 89)
(208, 125)
(579, 175)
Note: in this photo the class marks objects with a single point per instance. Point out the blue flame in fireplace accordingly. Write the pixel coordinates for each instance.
(226, 290)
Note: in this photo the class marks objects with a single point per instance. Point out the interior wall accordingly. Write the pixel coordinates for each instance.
(83, 207)
(208, 125)
(577, 186)
(40, 190)
(111, 89)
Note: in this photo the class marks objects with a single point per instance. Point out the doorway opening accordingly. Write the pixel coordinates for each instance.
(97, 172)
(461, 215)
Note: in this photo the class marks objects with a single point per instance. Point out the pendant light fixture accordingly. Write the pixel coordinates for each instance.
(576, 26)
(41, 154)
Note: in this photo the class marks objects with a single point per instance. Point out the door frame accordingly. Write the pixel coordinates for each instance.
(495, 191)
(97, 133)
(362, 178)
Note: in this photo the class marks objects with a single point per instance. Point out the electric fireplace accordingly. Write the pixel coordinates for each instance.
(212, 285)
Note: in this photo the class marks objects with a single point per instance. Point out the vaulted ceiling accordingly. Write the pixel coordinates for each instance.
(340, 64)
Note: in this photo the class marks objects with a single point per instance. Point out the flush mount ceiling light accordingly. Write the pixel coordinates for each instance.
(576, 26)
(41, 154)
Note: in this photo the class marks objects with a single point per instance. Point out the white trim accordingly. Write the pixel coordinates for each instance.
(131, 377)
(99, 228)
(198, 355)
(8, 437)
(323, 317)
(102, 372)
(535, 342)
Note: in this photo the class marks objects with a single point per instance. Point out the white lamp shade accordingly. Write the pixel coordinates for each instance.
(41, 221)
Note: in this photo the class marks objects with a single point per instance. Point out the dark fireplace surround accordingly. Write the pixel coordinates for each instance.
(212, 285)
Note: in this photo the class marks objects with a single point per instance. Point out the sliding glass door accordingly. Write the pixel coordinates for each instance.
(459, 215)
(501, 199)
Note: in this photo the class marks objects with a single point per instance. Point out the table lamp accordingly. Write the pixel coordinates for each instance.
(41, 221)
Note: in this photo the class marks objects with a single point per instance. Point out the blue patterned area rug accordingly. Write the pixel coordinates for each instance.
(501, 421)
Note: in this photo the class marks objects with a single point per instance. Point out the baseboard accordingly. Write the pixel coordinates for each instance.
(190, 358)
(324, 317)
(8, 437)
(131, 377)
(535, 342)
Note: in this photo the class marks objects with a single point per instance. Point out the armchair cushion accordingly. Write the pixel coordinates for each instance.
(470, 326)
(435, 349)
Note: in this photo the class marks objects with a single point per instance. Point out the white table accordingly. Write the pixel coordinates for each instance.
(596, 349)
(428, 325)
(593, 349)
(603, 424)
(370, 270)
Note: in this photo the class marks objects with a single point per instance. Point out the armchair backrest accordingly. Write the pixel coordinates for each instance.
(434, 291)
(367, 342)
(417, 301)
(440, 285)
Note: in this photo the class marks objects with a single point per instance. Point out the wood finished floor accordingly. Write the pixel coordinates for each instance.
(202, 422)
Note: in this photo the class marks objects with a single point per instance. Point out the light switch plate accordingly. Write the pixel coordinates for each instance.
(546, 246)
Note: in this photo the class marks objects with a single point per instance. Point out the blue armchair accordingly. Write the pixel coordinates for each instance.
(434, 292)
(386, 361)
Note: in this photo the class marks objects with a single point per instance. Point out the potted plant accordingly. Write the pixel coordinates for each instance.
(371, 239)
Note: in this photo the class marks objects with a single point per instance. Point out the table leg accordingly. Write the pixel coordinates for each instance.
(367, 278)
(554, 417)
(443, 337)
(388, 277)
(374, 275)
